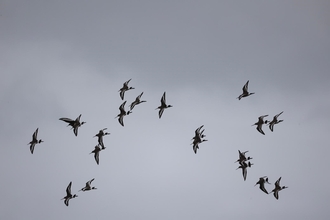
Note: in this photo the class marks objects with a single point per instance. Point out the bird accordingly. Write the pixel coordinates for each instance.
(278, 188)
(163, 105)
(88, 186)
(245, 91)
(100, 137)
(197, 139)
(68, 195)
(96, 152)
(261, 182)
(136, 102)
(260, 123)
(34, 141)
(75, 124)
(242, 157)
(124, 89)
(244, 166)
(122, 113)
(274, 121)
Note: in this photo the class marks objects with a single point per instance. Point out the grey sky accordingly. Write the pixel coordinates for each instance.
(65, 58)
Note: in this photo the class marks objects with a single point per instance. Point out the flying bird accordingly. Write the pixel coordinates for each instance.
(274, 121)
(260, 123)
(96, 152)
(100, 137)
(68, 195)
(278, 188)
(137, 101)
(122, 113)
(34, 141)
(245, 91)
(75, 124)
(88, 186)
(198, 138)
(261, 182)
(124, 89)
(163, 106)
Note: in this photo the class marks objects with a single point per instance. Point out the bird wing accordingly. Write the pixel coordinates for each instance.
(121, 120)
(259, 128)
(278, 114)
(35, 134)
(160, 113)
(277, 183)
(122, 107)
(133, 104)
(245, 87)
(67, 120)
(244, 172)
(262, 187)
(126, 83)
(78, 118)
(163, 100)
(68, 189)
(271, 126)
(276, 194)
(88, 184)
(96, 156)
(122, 93)
(75, 130)
(32, 147)
(66, 201)
(139, 97)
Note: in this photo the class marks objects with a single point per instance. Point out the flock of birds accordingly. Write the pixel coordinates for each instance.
(244, 162)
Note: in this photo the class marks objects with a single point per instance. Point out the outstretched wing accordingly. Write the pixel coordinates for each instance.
(121, 120)
(67, 120)
(160, 113)
(32, 147)
(163, 100)
(245, 87)
(88, 184)
(96, 156)
(35, 134)
(68, 189)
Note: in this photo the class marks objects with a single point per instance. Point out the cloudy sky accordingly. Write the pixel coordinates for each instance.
(65, 58)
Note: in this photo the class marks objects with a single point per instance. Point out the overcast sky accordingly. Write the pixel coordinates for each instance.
(66, 58)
